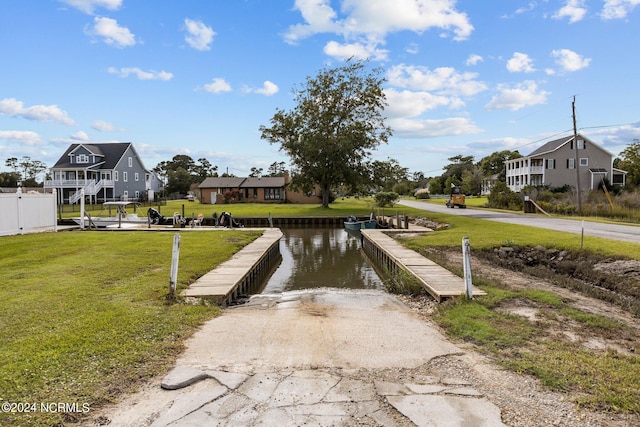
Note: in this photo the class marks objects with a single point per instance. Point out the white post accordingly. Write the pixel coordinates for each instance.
(466, 260)
(82, 213)
(55, 209)
(20, 214)
(582, 235)
(175, 256)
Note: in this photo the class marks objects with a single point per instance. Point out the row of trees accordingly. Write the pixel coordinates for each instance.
(24, 171)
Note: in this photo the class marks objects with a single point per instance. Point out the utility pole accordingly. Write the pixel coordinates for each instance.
(576, 160)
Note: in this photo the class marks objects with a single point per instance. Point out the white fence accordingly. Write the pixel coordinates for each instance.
(22, 213)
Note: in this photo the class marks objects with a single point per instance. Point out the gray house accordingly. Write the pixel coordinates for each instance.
(559, 162)
(106, 172)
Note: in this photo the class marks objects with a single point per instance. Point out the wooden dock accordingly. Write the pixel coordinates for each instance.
(437, 280)
(242, 271)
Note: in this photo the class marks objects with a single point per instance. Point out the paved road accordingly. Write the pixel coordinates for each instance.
(627, 233)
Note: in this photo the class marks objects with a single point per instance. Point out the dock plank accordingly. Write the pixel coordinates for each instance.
(220, 283)
(437, 280)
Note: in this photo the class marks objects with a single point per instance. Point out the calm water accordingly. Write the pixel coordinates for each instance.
(321, 257)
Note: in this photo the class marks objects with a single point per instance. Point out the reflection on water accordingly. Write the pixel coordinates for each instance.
(321, 257)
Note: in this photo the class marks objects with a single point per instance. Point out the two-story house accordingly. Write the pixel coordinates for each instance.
(106, 172)
(561, 162)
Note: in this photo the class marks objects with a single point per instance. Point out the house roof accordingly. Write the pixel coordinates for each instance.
(551, 146)
(238, 182)
(557, 143)
(267, 181)
(221, 182)
(111, 153)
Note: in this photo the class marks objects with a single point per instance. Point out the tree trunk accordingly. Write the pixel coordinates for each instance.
(325, 196)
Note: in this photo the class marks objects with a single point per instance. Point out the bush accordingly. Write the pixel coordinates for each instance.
(502, 197)
(422, 193)
(401, 188)
(385, 198)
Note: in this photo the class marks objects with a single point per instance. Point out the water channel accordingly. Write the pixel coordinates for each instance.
(321, 257)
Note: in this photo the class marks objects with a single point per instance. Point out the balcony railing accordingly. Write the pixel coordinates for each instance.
(76, 183)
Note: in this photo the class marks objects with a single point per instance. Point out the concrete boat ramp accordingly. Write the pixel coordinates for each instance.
(321, 357)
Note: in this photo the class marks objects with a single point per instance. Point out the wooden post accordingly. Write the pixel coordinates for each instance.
(466, 262)
(175, 256)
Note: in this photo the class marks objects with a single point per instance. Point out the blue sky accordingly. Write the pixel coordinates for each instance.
(199, 77)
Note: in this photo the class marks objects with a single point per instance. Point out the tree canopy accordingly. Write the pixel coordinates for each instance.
(630, 161)
(336, 123)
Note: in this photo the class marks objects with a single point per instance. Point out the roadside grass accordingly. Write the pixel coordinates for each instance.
(84, 316)
(599, 380)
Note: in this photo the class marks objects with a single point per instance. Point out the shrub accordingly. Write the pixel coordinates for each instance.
(501, 197)
(385, 198)
(422, 193)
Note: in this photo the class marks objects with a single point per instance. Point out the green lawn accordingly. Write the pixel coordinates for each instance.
(84, 316)
(339, 208)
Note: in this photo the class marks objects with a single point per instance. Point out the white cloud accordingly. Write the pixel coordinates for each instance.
(618, 9)
(112, 33)
(573, 9)
(217, 85)
(569, 60)
(88, 6)
(356, 50)
(319, 18)
(406, 128)
(520, 63)
(268, 89)
(412, 104)
(442, 80)
(80, 136)
(521, 95)
(372, 20)
(199, 35)
(474, 59)
(40, 113)
(140, 74)
(103, 126)
(21, 137)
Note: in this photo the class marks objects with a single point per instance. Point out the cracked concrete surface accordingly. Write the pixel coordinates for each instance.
(309, 358)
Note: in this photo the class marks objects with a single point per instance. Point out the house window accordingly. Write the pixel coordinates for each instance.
(272, 193)
(584, 161)
(130, 162)
(115, 175)
(571, 163)
(82, 158)
(125, 176)
(551, 163)
(581, 144)
(136, 177)
(137, 195)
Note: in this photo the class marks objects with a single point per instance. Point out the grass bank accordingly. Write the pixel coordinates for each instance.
(601, 380)
(84, 315)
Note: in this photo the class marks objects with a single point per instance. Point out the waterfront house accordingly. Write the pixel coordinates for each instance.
(252, 190)
(560, 162)
(105, 171)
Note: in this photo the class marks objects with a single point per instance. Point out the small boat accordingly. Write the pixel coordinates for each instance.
(352, 223)
(121, 216)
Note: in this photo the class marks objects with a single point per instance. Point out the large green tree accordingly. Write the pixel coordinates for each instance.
(630, 161)
(494, 163)
(336, 123)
